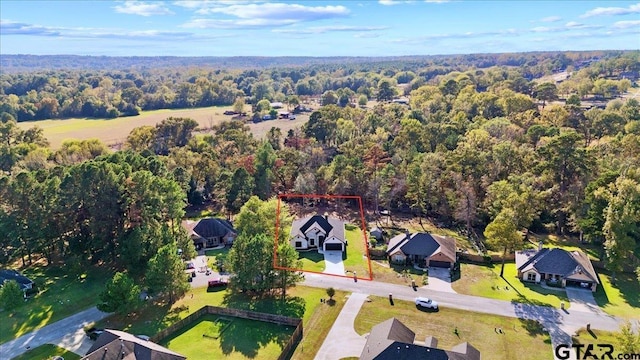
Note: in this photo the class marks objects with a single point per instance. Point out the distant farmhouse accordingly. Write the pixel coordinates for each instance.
(318, 231)
(423, 249)
(117, 345)
(10, 274)
(210, 232)
(556, 267)
(392, 340)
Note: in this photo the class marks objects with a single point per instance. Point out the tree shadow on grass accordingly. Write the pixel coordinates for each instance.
(538, 318)
(292, 306)
(249, 336)
(312, 256)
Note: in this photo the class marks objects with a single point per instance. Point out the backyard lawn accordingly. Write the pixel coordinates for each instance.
(60, 294)
(47, 352)
(303, 302)
(216, 337)
(475, 328)
(485, 281)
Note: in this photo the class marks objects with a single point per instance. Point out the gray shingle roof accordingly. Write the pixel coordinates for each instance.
(423, 244)
(556, 261)
(10, 274)
(392, 340)
(117, 345)
(213, 227)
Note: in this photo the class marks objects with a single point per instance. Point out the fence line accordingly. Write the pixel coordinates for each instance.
(287, 350)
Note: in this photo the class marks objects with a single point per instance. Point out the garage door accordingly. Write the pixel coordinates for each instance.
(440, 264)
(333, 247)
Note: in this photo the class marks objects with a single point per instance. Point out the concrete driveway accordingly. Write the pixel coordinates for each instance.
(582, 300)
(333, 263)
(439, 280)
(342, 340)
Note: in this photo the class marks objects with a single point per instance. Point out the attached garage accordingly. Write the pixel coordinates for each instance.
(333, 246)
(440, 264)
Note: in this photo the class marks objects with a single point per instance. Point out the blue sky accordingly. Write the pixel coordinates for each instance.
(314, 28)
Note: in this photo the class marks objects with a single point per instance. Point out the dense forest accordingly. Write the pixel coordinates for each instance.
(480, 149)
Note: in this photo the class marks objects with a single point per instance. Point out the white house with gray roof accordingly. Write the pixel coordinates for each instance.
(318, 231)
(556, 267)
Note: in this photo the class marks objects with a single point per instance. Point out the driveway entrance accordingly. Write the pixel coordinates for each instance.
(333, 263)
(439, 279)
(582, 300)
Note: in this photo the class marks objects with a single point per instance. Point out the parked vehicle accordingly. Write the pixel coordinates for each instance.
(220, 282)
(426, 303)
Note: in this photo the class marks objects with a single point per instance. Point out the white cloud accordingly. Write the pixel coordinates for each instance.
(626, 24)
(551, 19)
(394, 2)
(279, 11)
(436, 1)
(143, 8)
(600, 11)
(264, 15)
(332, 28)
(541, 29)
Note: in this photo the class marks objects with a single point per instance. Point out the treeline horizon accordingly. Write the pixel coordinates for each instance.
(59, 94)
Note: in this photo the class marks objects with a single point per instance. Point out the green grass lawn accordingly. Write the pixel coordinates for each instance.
(621, 299)
(47, 352)
(303, 302)
(596, 337)
(397, 274)
(356, 259)
(312, 261)
(232, 338)
(476, 328)
(486, 282)
(60, 294)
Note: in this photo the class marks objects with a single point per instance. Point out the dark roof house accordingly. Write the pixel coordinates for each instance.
(433, 250)
(210, 232)
(392, 340)
(556, 267)
(10, 274)
(119, 345)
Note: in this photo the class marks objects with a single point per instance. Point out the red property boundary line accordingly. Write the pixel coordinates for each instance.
(314, 196)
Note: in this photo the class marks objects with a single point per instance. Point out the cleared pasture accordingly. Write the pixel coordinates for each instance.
(114, 131)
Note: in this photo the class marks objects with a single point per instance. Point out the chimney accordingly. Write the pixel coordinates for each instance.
(539, 245)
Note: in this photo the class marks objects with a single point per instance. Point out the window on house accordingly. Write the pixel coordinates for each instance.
(298, 244)
(531, 277)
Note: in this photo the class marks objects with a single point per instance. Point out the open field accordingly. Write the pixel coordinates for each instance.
(475, 328)
(60, 294)
(485, 281)
(303, 302)
(115, 131)
(215, 337)
(47, 352)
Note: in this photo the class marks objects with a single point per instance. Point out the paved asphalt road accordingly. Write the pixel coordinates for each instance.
(67, 332)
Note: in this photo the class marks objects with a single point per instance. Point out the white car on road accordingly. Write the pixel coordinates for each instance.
(426, 303)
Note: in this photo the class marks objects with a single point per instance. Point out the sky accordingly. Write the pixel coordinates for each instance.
(314, 28)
